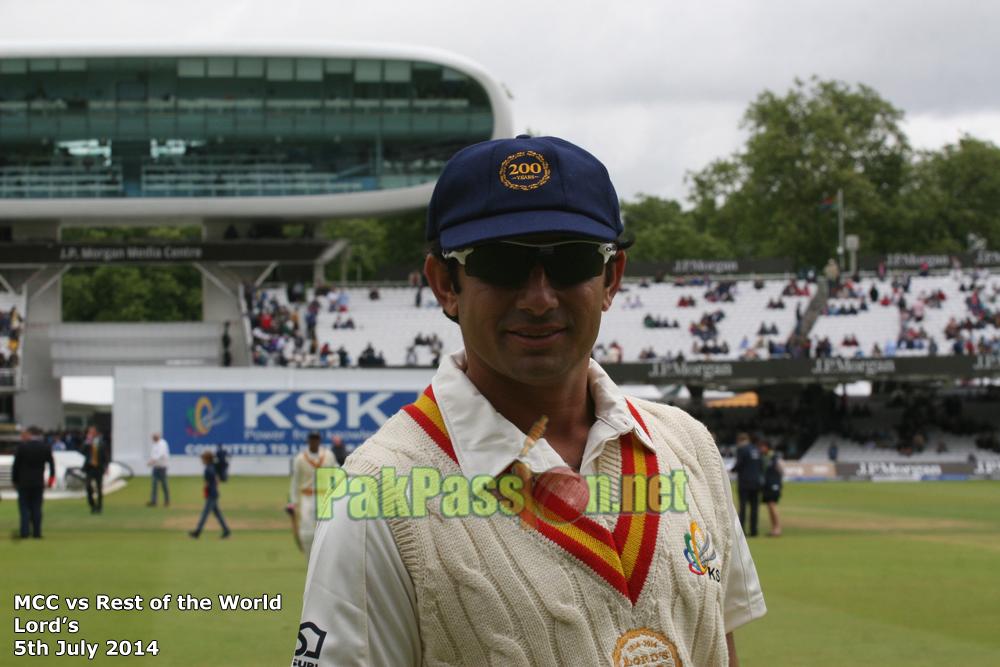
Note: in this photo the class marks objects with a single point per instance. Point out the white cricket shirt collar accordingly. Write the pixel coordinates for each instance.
(486, 443)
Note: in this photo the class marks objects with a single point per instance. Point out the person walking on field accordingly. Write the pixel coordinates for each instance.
(211, 493)
(94, 466)
(28, 476)
(748, 469)
(774, 471)
(158, 459)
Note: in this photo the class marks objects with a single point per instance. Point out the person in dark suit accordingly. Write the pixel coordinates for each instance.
(28, 475)
(97, 456)
(339, 450)
(748, 468)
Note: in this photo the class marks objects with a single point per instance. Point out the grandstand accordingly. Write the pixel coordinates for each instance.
(942, 448)
(911, 311)
(641, 320)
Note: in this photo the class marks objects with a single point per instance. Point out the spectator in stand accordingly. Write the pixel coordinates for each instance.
(343, 300)
(956, 268)
(411, 356)
(57, 442)
(373, 293)
(832, 273)
(369, 358)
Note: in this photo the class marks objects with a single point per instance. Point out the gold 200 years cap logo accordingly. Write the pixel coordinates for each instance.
(526, 170)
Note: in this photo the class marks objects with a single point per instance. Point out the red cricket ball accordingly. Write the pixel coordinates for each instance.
(561, 484)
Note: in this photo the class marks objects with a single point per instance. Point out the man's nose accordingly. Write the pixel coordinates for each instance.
(538, 295)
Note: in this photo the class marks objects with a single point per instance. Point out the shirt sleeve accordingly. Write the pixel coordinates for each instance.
(359, 606)
(744, 599)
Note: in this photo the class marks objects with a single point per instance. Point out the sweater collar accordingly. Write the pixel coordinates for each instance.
(486, 443)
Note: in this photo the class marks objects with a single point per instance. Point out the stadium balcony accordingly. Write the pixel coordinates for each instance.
(60, 177)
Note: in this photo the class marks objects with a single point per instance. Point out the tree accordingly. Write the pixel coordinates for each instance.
(166, 293)
(802, 147)
(132, 294)
(953, 193)
(377, 242)
(663, 231)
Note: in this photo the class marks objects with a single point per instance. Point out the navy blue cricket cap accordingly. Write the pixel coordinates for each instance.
(520, 187)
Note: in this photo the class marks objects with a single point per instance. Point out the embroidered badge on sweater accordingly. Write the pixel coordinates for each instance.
(645, 647)
(621, 557)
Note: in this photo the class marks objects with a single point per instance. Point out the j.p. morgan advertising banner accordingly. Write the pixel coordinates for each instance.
(273, 423)
(834, 369)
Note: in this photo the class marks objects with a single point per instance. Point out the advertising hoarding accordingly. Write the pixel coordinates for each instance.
(273, 423)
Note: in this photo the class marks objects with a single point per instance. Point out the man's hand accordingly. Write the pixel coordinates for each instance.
(52, 481)
(731, 645)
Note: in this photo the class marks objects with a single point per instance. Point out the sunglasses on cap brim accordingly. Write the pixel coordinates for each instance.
(509, 263)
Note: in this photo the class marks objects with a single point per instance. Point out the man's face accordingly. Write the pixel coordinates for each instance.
(537, 334)
(313, 445)
(91, 432)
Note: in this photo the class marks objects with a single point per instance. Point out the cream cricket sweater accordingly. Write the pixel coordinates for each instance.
(491, 593)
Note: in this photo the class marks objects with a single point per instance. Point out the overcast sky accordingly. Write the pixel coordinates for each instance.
(653, 88)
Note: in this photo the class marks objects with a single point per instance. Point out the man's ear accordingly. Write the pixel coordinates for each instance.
(616, 270)
(440, 282)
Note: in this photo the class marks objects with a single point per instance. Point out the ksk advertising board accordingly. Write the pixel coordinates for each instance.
(273, 423)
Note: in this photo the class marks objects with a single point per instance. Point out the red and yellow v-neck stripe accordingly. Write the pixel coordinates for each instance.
(621, 557)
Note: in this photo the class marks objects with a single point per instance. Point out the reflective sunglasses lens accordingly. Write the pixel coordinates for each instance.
(501, 264)
(572, 263)
(509, 265)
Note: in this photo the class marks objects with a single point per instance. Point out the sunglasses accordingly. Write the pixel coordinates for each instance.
(509, 263)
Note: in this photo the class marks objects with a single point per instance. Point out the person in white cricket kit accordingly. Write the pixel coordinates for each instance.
(526, 253)
(302, 494)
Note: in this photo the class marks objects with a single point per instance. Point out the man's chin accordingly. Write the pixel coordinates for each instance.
(539, 369)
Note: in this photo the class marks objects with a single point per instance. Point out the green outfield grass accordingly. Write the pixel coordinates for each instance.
(865, 574)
